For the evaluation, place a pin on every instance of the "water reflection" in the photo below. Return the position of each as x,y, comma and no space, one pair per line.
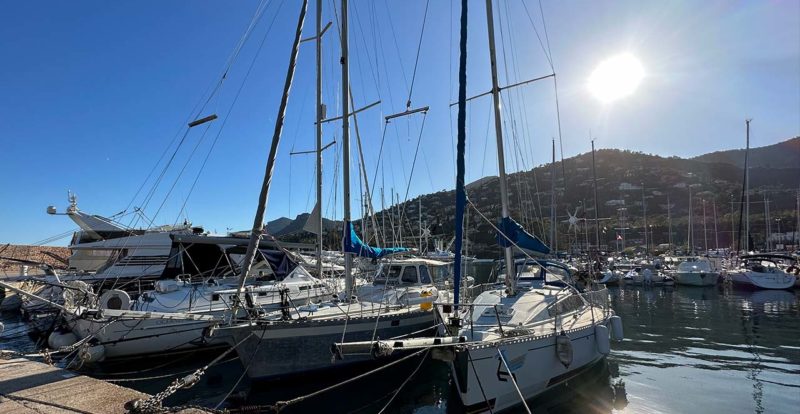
730,350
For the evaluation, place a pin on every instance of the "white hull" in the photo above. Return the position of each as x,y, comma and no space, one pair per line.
533,362
762,280
143,333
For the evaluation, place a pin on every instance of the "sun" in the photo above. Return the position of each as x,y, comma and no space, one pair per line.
616,77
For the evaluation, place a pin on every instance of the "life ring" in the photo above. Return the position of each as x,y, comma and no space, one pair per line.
115,299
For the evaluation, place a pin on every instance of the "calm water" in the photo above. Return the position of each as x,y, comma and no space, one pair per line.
687,350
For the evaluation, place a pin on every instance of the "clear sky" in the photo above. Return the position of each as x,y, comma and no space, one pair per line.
92,93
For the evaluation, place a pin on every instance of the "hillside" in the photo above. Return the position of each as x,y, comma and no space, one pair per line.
785,154
624,178
275,226
285,226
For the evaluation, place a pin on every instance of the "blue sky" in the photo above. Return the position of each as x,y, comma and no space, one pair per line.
92,92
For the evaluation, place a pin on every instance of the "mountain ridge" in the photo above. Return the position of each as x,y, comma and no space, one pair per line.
624,179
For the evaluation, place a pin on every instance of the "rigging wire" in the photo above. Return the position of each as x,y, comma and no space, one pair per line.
195,112
416,61
227,114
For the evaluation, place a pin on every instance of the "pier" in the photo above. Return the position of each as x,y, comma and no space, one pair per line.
33,387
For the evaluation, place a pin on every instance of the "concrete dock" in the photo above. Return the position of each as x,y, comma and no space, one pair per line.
28,387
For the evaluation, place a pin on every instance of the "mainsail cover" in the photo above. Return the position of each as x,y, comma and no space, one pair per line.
280,263
515,235
353,244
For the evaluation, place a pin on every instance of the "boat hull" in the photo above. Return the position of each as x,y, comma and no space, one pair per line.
696,278
762,280
535,365
136,337
273,350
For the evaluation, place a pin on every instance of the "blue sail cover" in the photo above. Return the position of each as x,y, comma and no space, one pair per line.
353,244
280,262
516,235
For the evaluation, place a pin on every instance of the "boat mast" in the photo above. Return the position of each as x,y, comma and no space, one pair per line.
689,246
258,221
705,230
553,236
320,115
419,219
797,216
747,191
716,233
644,214
767,229
460,149
669,222
596,221
501,165
348,259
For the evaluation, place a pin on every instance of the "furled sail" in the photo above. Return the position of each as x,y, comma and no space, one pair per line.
515,235
353,244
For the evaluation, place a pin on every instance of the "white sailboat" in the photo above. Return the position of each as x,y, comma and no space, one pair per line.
281,344
761,271
513,343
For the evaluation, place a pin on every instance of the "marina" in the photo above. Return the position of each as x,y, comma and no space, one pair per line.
739,346
420,274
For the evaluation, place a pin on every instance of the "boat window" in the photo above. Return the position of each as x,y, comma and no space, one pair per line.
558,272
527,268
424,276
388,274
410,274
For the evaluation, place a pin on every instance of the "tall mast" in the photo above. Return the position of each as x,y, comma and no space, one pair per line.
319,137
669,222
747,191
644,214
553,232
767,229
501,164
348,259
419,219
460,149
797,216
689,244
716,233
733,224
258,221
596,221
705,230
383,219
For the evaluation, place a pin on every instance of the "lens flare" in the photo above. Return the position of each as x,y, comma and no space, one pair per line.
616,77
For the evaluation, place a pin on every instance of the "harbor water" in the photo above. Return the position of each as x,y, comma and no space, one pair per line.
686,350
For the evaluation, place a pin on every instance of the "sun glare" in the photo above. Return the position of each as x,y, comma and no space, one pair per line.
616,77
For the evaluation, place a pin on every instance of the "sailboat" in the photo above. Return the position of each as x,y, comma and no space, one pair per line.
539,331
298,340
756,271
